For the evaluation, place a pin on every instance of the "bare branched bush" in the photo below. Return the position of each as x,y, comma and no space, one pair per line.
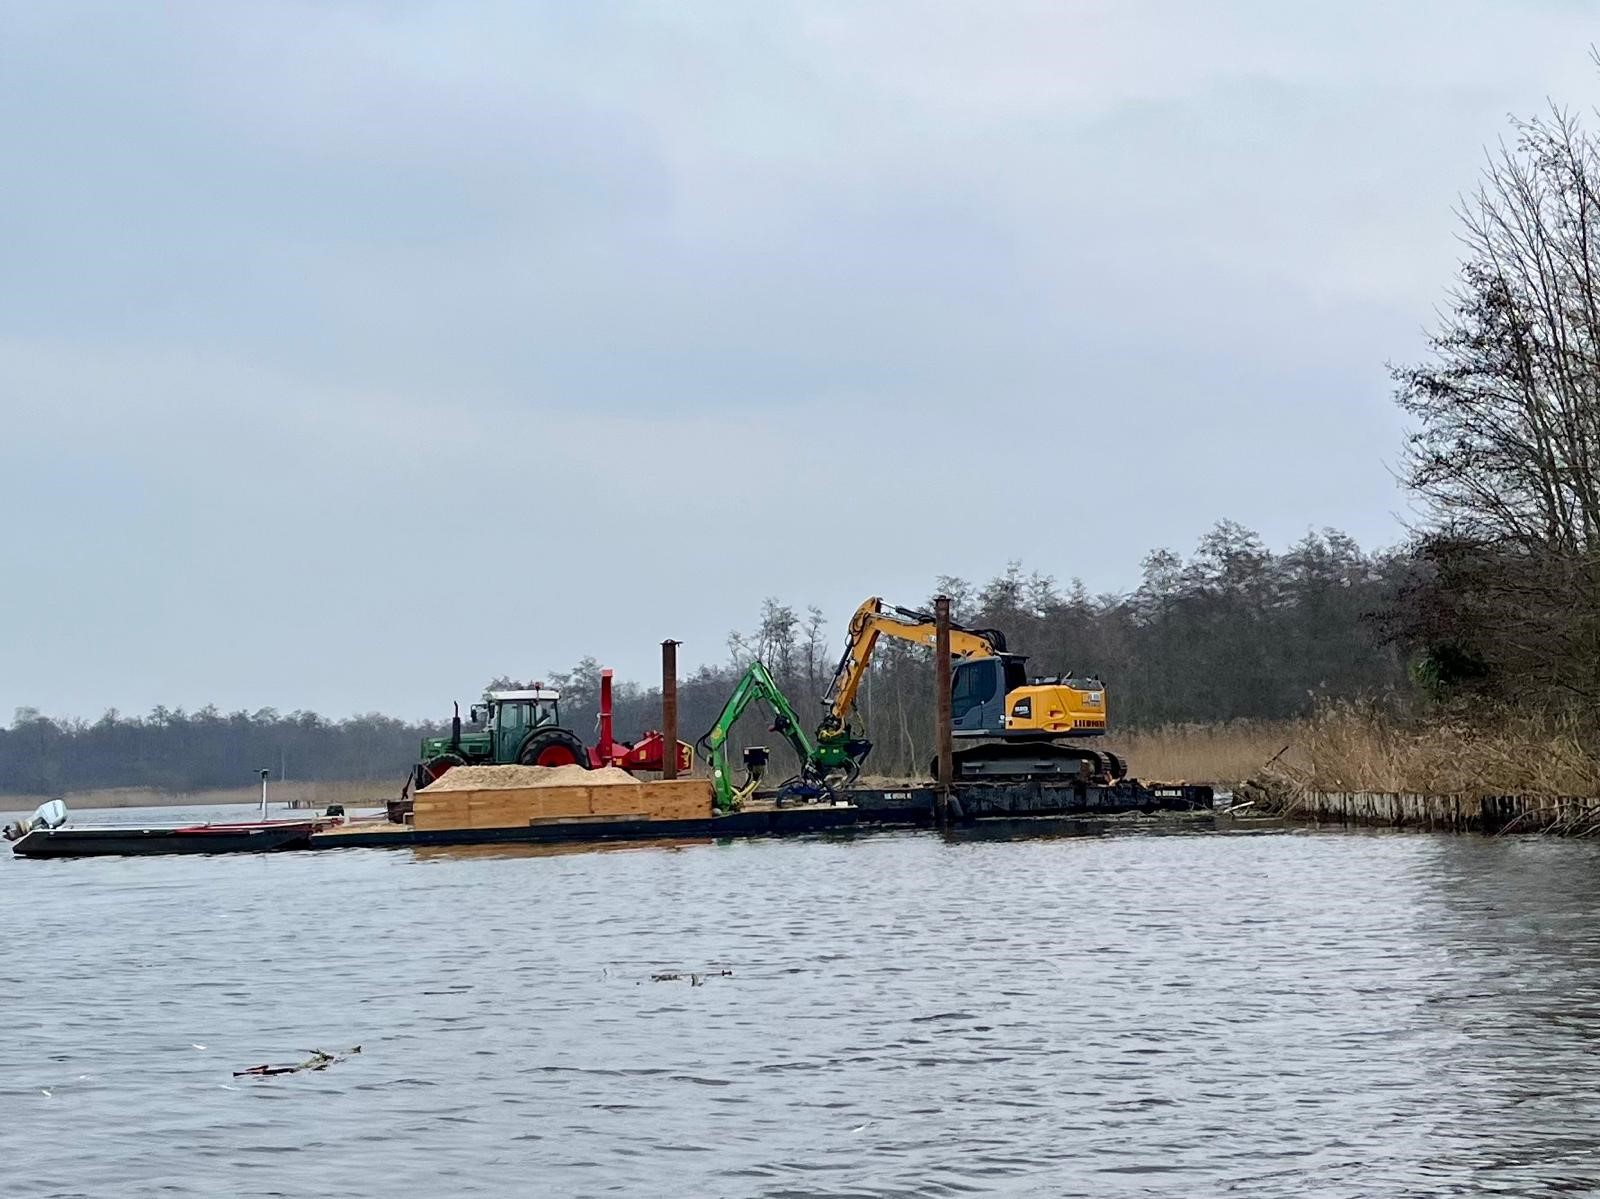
1505,449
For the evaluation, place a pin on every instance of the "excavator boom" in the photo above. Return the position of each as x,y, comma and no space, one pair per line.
756,684
872,620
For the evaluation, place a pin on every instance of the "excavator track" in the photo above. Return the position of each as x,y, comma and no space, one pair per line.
1016,761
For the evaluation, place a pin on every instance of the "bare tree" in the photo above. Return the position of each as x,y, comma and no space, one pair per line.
815,645
1506,442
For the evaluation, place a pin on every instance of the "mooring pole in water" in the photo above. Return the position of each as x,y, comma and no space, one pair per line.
264,774
669,709
941,691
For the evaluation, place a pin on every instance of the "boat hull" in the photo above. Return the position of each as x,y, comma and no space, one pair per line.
143,842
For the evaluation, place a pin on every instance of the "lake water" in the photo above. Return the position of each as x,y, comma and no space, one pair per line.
1274,1015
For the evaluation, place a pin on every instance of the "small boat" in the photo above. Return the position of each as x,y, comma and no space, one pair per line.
134,841
46,835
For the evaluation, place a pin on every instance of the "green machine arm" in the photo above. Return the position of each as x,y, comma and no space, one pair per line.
755,684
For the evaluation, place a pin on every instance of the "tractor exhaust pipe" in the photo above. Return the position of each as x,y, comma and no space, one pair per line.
455,729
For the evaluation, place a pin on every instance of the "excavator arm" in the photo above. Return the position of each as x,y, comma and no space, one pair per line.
755,684
873,620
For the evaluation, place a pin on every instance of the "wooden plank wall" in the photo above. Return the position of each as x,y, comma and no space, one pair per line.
1388,809
1474,813
517,807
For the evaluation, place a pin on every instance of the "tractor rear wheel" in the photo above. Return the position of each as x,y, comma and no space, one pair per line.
553,747
435,769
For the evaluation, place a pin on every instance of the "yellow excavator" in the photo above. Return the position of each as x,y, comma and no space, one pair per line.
1021,723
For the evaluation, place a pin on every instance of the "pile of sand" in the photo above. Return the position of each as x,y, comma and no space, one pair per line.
493,778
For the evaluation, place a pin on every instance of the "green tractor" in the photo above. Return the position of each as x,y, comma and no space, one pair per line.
511,728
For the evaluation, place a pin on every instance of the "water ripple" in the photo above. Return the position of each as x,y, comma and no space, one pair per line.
1341,1015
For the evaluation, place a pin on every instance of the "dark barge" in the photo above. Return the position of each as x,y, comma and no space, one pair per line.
112,840
1021,805
858,810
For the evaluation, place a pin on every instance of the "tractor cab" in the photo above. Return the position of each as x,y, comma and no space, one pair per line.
511,715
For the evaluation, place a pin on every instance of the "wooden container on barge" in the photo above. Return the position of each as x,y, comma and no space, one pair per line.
522,807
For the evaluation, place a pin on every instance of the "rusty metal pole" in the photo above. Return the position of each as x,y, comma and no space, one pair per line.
941,691
669,709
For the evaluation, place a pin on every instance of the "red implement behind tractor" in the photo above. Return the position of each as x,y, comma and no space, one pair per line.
644,754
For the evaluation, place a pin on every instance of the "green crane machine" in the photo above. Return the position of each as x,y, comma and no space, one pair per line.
822,768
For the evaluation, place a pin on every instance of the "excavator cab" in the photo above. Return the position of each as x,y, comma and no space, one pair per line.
978,690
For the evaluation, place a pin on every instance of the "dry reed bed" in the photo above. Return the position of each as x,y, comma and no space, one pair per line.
1204,753
1363,747
1351,747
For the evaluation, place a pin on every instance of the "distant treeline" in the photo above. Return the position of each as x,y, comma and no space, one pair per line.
1232,631
177,751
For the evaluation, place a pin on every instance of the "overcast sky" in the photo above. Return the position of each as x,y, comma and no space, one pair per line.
353,353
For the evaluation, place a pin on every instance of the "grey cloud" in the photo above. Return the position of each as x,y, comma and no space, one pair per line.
299,297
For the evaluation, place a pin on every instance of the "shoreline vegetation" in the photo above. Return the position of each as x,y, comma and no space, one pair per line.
1362,749
1343,747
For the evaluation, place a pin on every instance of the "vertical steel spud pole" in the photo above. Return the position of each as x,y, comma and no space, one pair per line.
669,709
941,691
